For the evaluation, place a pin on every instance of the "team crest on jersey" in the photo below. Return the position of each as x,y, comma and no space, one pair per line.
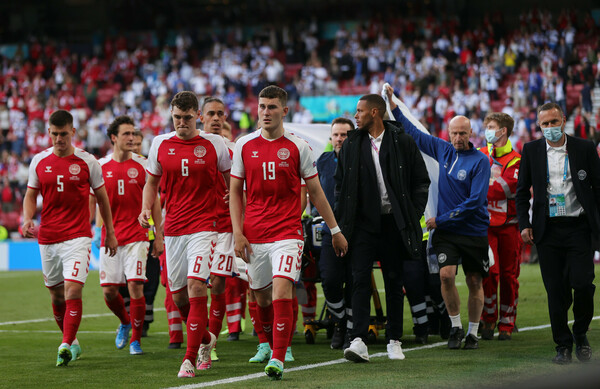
283,153
462,174
132,172
74,169
200,151
48,169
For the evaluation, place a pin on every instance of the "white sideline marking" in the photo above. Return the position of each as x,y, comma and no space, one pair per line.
6,323
329,363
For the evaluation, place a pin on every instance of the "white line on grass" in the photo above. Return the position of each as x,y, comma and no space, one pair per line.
329,363
6,323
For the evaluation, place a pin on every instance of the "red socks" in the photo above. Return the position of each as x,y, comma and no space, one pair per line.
59,314
117,306
196,327
282,326
217,312
185,311
174,318
266,320
137,309
254,316
72,319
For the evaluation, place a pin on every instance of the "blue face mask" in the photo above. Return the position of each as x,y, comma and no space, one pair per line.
490,136
553,134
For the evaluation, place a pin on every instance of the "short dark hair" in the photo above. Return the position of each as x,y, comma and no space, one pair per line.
212,100
548,107
342,121
503,120
375,101
61,118
138,133
113,128
185,101
274,92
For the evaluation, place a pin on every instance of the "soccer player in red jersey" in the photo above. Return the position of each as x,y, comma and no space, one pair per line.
271,162
124,175
189,162
63,175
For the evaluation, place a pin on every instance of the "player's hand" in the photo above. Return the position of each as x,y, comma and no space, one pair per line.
158,247
242,247
110,244
144,218
390,93
527,235
226,197
340,244
27,228
431,225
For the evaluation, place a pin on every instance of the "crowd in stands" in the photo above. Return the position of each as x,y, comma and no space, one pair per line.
437,66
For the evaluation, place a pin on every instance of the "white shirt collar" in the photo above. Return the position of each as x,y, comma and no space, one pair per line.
559,148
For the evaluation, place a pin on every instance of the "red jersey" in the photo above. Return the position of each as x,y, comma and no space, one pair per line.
189,169
223,216
64,183
273,170
124,186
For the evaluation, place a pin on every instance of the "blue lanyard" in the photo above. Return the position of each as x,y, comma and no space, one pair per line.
564,172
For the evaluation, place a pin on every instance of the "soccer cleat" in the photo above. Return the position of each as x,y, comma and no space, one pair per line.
204,361
213,355
289,357
122,335
64,355
471,342
357,352
274,369
455,338
75,352
263,351
186,370
394,350
135,348
233,337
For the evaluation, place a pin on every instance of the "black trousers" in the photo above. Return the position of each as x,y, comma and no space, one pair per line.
386,247
567,266
415,275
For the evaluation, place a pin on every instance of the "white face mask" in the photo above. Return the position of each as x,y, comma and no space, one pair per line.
490,136
553,134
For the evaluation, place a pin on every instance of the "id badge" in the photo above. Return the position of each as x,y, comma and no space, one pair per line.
556,205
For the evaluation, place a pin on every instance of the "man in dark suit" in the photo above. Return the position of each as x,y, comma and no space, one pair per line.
565,174
381,192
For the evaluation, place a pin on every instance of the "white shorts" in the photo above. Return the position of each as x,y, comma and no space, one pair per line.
242,267
189,256
224,263
277,259
66,261
129,264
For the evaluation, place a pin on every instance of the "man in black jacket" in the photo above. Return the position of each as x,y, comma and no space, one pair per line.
381,189
565,174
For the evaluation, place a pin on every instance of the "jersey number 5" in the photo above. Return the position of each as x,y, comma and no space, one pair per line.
268,170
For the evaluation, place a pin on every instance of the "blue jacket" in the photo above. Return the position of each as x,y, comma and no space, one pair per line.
463,182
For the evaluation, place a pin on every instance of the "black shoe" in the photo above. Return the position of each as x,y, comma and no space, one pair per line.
174,345
421,339
563,356
504,335
471,342
233,337
445,326
346,340
487,330
583,351
455,338
338,337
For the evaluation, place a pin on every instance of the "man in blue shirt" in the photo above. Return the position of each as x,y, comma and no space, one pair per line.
462,220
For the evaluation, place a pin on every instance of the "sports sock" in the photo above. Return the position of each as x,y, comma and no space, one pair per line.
137,309
59,314
456,321
266,320
117,306
473,327
174,318
294,319
254,317
196,326
282,322
72,320
217,312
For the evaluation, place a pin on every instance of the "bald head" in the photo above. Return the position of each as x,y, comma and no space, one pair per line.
459,131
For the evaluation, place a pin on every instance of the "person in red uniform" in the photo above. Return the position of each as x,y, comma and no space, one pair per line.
271,162
63,175
124,173
503,233
189,162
